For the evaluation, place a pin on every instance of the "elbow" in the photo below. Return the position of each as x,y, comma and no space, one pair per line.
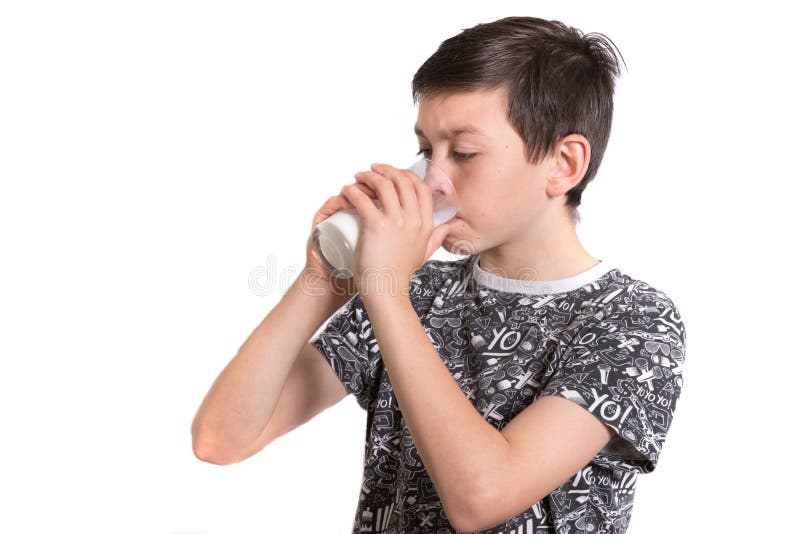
461,524
203,450
209,455
206,448
471,511
484,512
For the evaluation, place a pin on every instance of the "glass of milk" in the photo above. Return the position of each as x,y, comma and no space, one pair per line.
334,240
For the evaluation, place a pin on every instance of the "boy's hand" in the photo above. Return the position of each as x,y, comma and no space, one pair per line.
397,238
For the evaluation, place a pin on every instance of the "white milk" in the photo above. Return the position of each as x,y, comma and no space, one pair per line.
335,239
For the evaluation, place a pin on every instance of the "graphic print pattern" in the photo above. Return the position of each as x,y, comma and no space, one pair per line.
614,346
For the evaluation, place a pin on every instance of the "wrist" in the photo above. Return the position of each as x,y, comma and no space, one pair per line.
320,283
385,288
383,283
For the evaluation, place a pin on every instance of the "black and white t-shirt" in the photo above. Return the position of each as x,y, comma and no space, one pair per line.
610,343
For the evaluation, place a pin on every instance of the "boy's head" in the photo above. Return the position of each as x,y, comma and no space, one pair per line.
550,82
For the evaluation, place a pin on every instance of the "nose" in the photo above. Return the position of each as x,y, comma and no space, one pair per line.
438,177
441,162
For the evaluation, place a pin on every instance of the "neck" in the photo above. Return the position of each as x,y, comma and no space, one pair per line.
546,249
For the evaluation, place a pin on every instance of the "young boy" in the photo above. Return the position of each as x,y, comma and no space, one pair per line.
522,388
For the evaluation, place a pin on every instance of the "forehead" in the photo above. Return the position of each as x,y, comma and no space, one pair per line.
462,113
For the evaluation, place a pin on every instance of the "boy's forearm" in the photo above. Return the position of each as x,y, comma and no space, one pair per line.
458,447
242,399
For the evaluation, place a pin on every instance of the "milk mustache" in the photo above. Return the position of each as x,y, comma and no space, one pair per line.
334,240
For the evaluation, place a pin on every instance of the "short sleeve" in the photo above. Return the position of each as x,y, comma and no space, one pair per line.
626,370
420,290
349,346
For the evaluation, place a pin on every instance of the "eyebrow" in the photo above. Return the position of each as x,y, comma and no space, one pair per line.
449,134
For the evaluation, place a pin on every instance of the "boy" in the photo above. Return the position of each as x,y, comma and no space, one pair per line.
522,388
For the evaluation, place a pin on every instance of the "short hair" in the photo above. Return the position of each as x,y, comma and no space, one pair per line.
558,80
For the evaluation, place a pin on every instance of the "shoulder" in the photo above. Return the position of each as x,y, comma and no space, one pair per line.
432,277
639,306
626,366
435,272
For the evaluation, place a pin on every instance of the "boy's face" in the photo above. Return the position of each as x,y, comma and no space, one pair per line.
501,197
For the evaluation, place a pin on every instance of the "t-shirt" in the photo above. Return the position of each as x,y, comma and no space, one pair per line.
607,342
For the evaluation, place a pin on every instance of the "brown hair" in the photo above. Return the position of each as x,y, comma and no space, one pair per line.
559,82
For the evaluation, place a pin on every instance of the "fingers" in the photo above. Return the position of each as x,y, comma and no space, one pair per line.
336,203
400,182
400,193
361,200
331,206
406,193
411,189
424,198
387,193
436,239
369,192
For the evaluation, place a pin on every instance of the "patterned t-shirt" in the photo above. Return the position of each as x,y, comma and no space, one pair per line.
610,343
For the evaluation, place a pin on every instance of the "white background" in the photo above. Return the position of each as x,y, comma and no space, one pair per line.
154,154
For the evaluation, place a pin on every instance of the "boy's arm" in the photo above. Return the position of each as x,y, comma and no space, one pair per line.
240,403
482,475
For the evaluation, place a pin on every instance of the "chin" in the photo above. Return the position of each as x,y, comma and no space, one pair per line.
460,247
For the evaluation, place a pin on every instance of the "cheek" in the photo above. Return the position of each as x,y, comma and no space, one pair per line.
479,208
484,195
493,205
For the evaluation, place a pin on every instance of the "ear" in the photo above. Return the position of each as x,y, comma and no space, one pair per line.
569,164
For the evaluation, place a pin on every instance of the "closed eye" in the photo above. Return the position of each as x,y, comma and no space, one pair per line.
427,152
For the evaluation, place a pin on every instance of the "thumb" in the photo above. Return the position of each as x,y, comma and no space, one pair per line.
436,239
